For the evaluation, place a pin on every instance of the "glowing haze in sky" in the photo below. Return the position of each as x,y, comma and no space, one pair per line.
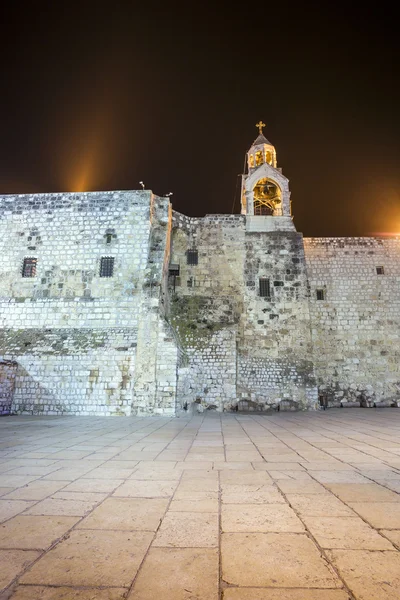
102,98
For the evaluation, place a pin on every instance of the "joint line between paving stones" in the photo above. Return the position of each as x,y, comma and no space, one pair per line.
327,454
193,439
68,532
56,542
154,537
331,492
350,507
321,550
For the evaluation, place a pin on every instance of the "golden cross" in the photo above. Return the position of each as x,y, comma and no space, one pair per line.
260,126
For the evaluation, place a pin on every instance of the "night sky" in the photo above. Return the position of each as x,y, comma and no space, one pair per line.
97,97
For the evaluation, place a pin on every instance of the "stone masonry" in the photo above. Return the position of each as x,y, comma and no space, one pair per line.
224,312
82,343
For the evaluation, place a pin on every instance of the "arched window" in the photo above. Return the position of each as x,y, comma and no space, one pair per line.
251,161
259,158
267,197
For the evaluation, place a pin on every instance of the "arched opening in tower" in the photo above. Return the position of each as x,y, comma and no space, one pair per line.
267,197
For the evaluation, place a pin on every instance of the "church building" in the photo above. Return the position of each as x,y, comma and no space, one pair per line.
112,303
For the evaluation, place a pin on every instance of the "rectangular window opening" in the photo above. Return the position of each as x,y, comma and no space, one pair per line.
29,267
106,266
265,289
320,294
192,257
380,270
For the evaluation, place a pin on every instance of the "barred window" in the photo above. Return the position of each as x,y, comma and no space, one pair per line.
29,267
106,266
265,289
321,294
380,271
192,257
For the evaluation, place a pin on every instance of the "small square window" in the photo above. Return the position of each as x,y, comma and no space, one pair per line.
29,267
380,271
192,257
106,266
109,238
174,270
265,289
320,294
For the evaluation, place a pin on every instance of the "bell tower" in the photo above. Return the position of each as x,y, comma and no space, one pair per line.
265,190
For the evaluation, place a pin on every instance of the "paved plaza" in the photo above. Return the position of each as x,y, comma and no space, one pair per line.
292,506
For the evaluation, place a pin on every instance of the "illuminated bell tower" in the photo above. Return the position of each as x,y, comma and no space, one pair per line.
265,191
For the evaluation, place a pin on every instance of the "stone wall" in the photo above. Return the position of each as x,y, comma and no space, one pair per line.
7,384
211,378
73,333
356,328
72,341
157,350
274,347
206,306
241,345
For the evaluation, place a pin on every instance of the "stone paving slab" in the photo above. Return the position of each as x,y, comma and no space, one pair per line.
92,558
283,594
33,592
295,506
369,575
260,517
127,514
178,574
274,560
364,492
188,530
14,562
317,505
345,532
34,532
381,515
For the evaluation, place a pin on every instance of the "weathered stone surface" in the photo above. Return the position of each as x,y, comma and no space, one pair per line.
316,505
188,530
10,508
369,575
251,494
59,506
283,594
146,489
114,304
92,558
290,486
81,343
14,562
37,490
33,592
127,514
382,515
34,532
368,492
182,573
244,477
256,517
274,560
393,535
345,532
